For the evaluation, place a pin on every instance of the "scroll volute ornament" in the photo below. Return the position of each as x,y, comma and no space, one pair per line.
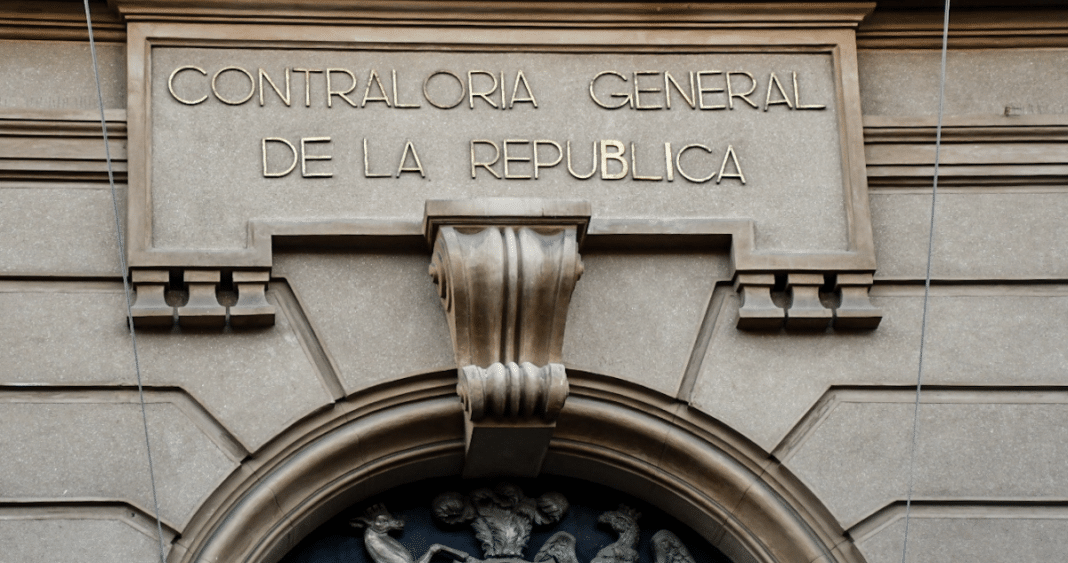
505,270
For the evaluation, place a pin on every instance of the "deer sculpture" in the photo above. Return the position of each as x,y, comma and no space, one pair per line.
383,548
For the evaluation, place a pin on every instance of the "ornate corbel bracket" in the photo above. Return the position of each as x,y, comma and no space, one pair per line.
505,270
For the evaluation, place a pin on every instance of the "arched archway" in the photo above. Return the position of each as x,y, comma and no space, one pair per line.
639,442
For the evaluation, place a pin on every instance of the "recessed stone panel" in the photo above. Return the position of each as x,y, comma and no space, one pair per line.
977,235
904,83
75,539
989,534
58,450
652,302
972,449
377,315
255,382
59,231
58,75
763,384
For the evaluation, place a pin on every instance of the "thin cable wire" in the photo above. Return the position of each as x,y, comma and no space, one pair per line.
125,282
926,285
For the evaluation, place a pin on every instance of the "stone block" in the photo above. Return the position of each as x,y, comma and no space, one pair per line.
968,222
978,81
59,540
979,533
58,75
976,446
96,450
636,316
377,315
762,384
256,383
58,229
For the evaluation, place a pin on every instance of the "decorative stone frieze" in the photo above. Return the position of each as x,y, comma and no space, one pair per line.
801,308
202,309
505,270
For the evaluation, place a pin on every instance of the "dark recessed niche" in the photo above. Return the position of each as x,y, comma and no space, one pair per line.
337,542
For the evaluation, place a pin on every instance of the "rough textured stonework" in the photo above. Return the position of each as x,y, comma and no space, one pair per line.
739,351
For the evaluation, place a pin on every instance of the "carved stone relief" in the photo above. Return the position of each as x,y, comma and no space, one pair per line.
502,519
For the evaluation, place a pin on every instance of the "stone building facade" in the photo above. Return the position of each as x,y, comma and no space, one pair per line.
722,318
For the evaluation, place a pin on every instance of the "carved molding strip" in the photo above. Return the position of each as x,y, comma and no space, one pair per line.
505,270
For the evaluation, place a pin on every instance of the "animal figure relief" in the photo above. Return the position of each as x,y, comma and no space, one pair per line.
383,548
667,547
502,519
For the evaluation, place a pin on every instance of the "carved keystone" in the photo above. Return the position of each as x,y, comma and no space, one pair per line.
150,309
203,309
252,308
505,270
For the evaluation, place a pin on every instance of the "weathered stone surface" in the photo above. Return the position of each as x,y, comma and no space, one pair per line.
975,451
762,384
59,230
59,75
636,316
978,81
377,315
74,539
1011,249
255,382
97,450
1006,538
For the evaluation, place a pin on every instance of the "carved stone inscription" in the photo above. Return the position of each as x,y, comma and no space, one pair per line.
320,135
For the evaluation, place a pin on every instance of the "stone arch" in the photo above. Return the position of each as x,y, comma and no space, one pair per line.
640,442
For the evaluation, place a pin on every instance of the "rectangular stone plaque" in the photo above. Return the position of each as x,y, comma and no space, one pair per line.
746,133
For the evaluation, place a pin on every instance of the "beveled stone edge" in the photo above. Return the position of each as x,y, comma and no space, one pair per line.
123,511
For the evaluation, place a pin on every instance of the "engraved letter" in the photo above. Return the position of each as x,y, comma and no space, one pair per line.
285,99
330,92
690,100
367,165
668,164
731,94
426,91
170,85
396,103
485,95
616,156
292,165
307,83
701,90
593,160
496,156
638,91
529,98
251,84
372,79
409,148
626,97
508,158
774,81
634,167
538,163
678,164
305,157
733,158
797,99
